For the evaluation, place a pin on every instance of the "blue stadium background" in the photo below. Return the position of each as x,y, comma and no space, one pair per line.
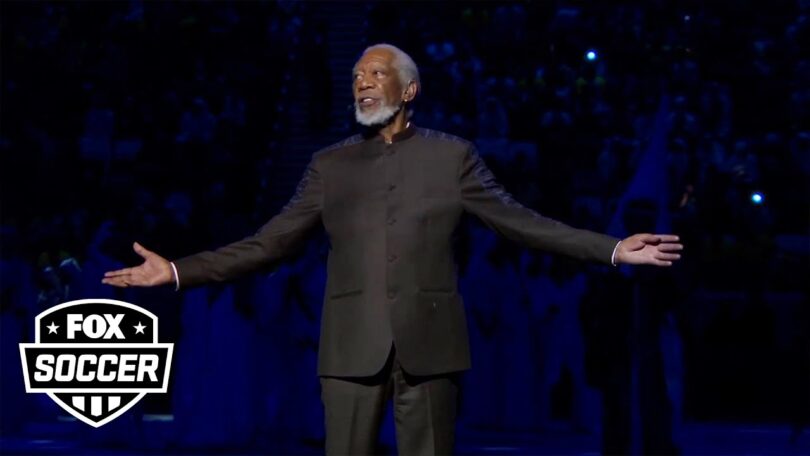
186,125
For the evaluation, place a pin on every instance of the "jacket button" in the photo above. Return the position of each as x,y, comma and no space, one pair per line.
391,221
391,258
391,187
391,295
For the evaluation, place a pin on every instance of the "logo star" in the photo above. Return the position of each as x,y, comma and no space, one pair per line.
52,328
139,328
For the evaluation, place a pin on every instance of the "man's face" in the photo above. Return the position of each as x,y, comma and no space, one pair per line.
377,88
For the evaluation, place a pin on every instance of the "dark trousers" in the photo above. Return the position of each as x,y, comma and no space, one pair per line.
424,411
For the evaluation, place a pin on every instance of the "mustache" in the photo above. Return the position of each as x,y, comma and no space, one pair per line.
352,105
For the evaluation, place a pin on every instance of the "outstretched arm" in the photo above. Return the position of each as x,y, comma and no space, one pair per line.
275,240
484,197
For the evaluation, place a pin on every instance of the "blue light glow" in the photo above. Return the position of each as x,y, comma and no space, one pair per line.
757,198
591,55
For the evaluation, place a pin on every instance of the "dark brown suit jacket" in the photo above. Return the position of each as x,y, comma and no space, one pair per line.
389,211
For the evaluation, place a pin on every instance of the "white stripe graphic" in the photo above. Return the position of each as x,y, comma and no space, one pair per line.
113,402
95,405
78,402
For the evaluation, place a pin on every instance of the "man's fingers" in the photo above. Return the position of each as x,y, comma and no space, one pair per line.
669,247
116,282
646,238
140,250
124,281
118,273
668,256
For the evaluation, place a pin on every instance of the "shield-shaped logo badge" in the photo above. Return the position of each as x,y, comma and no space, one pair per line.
96,358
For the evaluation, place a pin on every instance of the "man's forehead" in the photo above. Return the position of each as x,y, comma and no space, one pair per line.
385,56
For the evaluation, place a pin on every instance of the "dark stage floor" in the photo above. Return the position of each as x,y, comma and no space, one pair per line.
695,438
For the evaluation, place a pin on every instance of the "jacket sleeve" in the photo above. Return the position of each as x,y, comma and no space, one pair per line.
276,239
483,196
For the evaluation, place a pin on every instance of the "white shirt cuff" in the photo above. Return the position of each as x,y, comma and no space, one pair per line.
612,257
176,277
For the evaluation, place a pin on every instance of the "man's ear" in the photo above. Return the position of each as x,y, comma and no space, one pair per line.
410,91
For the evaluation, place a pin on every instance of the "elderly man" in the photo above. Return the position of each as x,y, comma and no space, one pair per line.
393,322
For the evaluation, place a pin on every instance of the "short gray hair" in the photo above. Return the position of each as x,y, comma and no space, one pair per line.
404,64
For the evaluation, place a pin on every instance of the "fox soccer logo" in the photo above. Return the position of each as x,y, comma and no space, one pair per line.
96,358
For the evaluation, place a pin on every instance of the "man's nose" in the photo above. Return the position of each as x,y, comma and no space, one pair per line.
364,83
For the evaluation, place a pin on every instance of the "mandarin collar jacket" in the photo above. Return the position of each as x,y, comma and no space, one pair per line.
390,211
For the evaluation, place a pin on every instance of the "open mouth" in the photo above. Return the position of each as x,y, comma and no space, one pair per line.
366,102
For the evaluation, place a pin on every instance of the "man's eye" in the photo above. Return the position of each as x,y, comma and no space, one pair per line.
378,73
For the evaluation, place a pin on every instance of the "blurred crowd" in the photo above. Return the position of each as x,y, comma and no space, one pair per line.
166,123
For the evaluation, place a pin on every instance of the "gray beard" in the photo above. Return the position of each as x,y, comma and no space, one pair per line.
376,118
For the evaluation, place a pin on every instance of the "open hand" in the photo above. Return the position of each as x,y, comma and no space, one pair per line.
154,271
645,248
